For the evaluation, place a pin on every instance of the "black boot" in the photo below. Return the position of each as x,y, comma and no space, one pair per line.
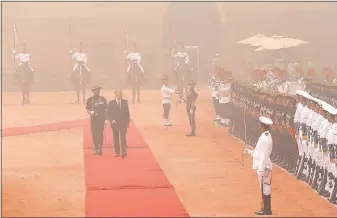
267,206
321,190
333,196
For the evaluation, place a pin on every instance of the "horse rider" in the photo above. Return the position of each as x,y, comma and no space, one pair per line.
24,58
134,58
96,107
81,59
182,60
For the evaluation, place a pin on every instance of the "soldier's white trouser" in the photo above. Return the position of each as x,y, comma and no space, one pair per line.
31,68
76,65
139,65
299,145
264,179
305,147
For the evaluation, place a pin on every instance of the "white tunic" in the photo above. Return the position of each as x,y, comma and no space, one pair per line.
182,55
298,113
80,57
225,89
262,152
331,135
324,128
166,94
23,57
134,57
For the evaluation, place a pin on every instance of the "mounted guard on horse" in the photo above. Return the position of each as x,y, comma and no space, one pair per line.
24,73
80,75
135,72
181,68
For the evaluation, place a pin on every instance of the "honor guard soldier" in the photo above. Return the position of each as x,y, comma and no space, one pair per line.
263,165
332,141
225,90
96,108
24,58
190,107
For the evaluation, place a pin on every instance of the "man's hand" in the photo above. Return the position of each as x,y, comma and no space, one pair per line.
14,51
70,51
92,112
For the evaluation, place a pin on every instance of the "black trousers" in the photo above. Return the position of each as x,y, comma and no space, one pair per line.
97,129
225,110
191,118
216,106
119,135
167,108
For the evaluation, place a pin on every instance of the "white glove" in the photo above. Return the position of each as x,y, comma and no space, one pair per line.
14,51
248,151
125,51
106,121
92,112
70,51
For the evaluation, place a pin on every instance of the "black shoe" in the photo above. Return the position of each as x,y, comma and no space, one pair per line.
261,212
124,155
325,194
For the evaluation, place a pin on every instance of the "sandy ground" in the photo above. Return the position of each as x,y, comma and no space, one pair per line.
43,174
205,170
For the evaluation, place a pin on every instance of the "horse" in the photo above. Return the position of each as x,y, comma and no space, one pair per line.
80,79
24,77
136,77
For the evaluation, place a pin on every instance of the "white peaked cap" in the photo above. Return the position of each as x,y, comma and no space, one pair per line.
266,121
328,108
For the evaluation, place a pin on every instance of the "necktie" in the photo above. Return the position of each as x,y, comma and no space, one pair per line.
119,104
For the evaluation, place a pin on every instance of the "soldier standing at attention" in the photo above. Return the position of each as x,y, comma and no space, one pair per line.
262,164
190,107
166,93
96,108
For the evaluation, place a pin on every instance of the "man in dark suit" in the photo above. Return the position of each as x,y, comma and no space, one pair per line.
119,116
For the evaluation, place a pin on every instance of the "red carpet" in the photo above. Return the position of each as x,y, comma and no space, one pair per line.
130,187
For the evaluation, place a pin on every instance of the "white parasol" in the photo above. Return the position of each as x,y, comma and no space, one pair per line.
280,42
252,39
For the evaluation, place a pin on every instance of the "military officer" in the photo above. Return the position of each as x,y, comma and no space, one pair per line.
263,165
96,108
190,107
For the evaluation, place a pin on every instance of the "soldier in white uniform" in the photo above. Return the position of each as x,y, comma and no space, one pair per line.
166,94
214,85
328,179
299,108
303,140
24,58
224,101
332,141
81,59
263,165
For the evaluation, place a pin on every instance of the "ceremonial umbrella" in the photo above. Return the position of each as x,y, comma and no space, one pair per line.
253,39
279,42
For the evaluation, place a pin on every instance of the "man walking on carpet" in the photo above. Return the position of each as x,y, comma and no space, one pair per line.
119,116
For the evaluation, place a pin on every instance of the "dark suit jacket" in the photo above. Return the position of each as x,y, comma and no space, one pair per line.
120,115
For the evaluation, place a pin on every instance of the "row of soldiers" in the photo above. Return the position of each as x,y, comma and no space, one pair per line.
304,133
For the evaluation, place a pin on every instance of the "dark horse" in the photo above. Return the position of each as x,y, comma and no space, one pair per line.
24,76
136,77
80,79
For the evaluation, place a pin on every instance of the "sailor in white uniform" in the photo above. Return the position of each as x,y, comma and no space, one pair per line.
166,94
303,140
332,141
263,165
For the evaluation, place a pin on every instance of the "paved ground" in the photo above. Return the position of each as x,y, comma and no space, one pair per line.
205,170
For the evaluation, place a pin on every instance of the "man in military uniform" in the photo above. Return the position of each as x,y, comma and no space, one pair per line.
96,108
263,165
190,107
